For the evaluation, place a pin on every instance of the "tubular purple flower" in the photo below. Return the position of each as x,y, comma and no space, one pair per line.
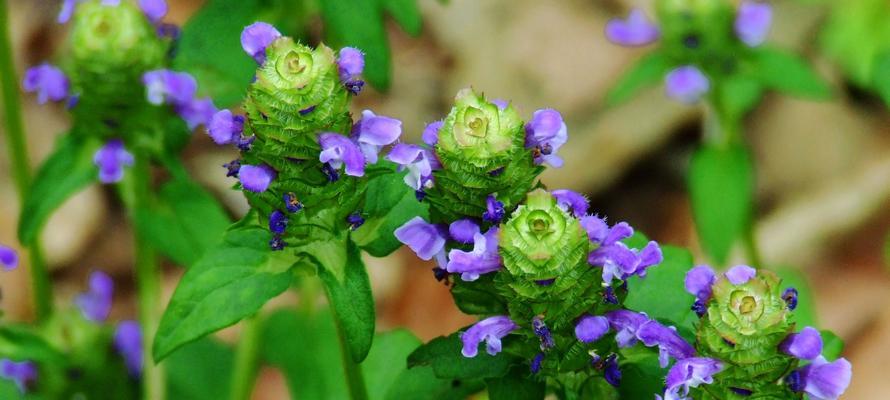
197,112
372,132
95,304
420,163
494,212
634,31
430,134
483,259
463,230
23,373
571,201
9,258
612,372
699,280
753,21
128,343
740,274
154,10
805,345
669,343
111,160
689,373
597,229
256,37
620,262
225,128
490,330
626,323
546,133
351,63
824,380
166,86
48,81
686,84
591,328
338,150
427,240
256,178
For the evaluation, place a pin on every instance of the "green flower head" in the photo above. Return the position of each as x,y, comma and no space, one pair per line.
115,37
479,132
753,307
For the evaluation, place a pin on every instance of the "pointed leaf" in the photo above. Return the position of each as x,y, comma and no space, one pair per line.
517,385
406,13
195,371
444,355
352,302
648,71
789,73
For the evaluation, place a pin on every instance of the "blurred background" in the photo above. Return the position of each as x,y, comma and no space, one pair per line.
823,168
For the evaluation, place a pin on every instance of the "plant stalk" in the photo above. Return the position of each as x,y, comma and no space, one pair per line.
247,358
355,382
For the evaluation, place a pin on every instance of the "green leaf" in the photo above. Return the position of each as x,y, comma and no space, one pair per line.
421,383
231,282
477,297
661,292
721,186
805,313
352,303
67,171
198,371
832,345
444,355
184,222
786,72
641,375
406,13
737,95
389,203
21,342
646,72
359,23
387,360
519,384
881,76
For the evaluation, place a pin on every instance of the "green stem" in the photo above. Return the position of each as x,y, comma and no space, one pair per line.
355,382
21,171
246,359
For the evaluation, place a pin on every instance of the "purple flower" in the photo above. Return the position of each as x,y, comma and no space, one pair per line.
256,37
805,345
338,150
196,112
256,178
669,343
427,240
291,203
23,373
67,10
48,81
277,222
545,134
489,330
225,128
111,160
686,84
543,333
166,86
636,30
420,163
128,342
355,220
626,323
591,328
154,10
699,280
571,201
790,297
501,103
494,212
752,22
740,274
484,257
430,134
9,259
535,365
373,132
824,380
463,230
687,373
95,304
350,64
612,372
621,262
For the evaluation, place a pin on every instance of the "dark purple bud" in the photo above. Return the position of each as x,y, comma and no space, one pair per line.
355,220
330,172
292,203
609,296
790,297
440,274
354,86
244,142
419,195
612,371
232,168
495,210
794,381
543,333
700,307
277,243
535,365
278,222
307,110
545,282
741,392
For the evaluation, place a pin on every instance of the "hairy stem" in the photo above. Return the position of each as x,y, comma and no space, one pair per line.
353,371
246,358
18,155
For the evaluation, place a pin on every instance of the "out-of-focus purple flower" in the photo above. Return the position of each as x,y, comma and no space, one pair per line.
543,333
626,323
636,30
501,103
805,345
225,128
67,10
753,21
494,212
95,304
535,365
372,132
256,178
740,274
430,134
612,372
196,112
154,10
128,342
23,373
111,160
483,259
463,230
277,222
790,297
669,342
686,84
545,134
427,240
591,328
338,150
490,330
689,373
571,201
621,262
419,161
9,258
351,63
48,81
824,380
256,37
166,86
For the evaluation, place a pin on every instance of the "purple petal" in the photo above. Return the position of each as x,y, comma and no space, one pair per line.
805,345
424,238
128,342
338,150
596,228
546,133
699,280
48,81
9,258
636,30
686,84
667,339
67,10
463,230
753,21
23,373
649,256
419,161
591,328
483,259
430,134
225,128
166,86
373,132
111,160
197,112
619,231
825,380
256,178
740,274
154,10
626,323
256,37
95,304
501,103
571,201
490,330
351,63
690,372
494,211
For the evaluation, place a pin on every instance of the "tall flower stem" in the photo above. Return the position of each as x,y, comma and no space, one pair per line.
18,155
246,358
355,382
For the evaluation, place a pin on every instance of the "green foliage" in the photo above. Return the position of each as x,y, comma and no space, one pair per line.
661,293
646,72
832,345
231,282
881,78
855,34
788,73
516,385
406,13
737,95
389,203
68,170
195,371
721,185
421,383
352,303
641,375
443,354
